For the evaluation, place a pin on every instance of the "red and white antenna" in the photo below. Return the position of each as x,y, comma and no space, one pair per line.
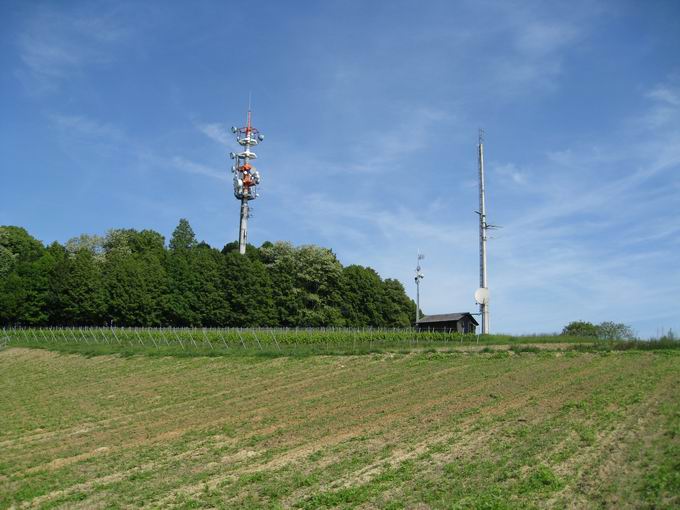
246,176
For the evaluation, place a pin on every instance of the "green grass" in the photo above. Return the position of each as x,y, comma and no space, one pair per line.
515,429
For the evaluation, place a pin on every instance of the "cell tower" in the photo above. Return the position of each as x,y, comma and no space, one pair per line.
482,294
419,276
246,176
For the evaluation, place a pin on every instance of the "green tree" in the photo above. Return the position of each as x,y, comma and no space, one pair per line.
211,300
134,277
279,259
580,329
79,297
307,284
614,331
92,243
251,251
248,291
6,262
23,246
184,285
363,298
24,288
398,309
183,237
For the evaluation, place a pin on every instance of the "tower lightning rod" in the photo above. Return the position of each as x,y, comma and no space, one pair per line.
246,176
483,229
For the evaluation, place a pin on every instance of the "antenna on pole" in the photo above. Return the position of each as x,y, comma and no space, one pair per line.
482,294
419,276
246,176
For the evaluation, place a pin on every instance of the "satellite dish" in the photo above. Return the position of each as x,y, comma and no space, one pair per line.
482,296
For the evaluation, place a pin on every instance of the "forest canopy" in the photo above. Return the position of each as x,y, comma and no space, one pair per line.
132,278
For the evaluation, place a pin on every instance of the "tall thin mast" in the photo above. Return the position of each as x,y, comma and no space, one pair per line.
419,276
483,228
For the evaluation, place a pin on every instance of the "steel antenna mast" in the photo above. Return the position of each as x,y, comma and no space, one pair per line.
246,176
482,294
419,276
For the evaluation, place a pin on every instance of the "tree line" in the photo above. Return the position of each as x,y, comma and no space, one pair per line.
131,278
607,330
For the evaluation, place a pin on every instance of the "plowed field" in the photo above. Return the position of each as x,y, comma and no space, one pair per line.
428,430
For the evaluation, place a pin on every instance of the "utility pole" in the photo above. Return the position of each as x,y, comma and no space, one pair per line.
482,295
246,176
419,276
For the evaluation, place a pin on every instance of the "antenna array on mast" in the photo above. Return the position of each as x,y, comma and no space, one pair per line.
246,176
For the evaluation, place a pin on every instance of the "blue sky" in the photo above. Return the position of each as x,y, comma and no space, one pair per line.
116,114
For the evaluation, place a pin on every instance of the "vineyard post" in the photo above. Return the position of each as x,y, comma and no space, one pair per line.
178,338
207,339
150,335
75,340
239,335
220,331
114,334
271,332
80,330
257,339
191,335
162,332
139,337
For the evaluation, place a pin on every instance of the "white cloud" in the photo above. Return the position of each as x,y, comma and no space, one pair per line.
199,169
543,39
665,108
54,46
80,132
509,173
82,125
665,94
217,132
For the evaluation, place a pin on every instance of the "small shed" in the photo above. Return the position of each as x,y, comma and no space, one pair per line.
456,322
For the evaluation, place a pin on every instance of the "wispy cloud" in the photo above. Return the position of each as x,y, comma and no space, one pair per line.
86,126
666,94
198,169
217,132
82,131
665,106
378,150
510,173
54,46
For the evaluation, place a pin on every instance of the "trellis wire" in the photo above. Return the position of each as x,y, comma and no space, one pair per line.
215,340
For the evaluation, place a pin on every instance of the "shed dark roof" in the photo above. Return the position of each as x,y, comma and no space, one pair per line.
446,317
